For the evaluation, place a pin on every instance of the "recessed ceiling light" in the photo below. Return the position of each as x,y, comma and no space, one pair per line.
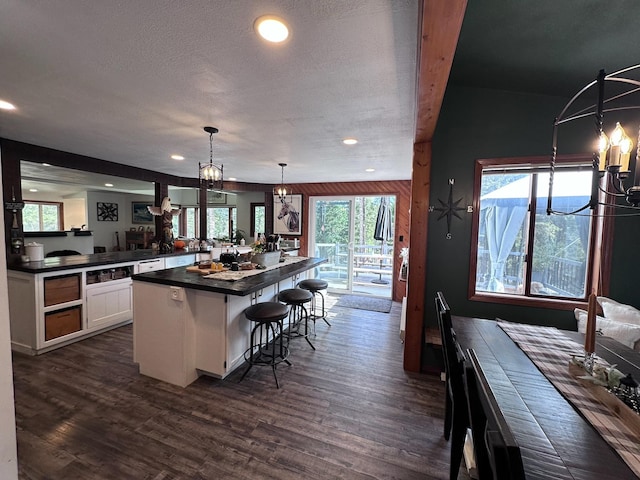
46,165
177,157
6,105
108,184
370,170
33,189
271,28
232,179
350,141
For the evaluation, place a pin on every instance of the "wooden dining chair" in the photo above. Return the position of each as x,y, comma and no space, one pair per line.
456,419
496,450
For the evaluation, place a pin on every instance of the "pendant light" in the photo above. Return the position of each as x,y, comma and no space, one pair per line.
281,191
210,174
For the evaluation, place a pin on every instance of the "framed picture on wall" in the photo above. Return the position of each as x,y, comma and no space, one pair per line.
140,213
287,215
107,212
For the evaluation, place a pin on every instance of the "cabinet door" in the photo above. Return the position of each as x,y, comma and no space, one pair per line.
109,303
210,312
238,330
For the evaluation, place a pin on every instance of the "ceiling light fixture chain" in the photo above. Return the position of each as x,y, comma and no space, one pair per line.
210,174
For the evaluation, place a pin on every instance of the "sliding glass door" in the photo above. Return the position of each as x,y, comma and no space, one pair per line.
332,238
355,235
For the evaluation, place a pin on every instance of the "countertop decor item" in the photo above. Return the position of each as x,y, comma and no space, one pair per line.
266,259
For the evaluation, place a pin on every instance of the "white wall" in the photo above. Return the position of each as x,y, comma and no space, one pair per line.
104,232
75,211
8,450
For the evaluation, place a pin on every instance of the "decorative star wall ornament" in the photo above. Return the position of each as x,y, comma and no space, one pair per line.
450,209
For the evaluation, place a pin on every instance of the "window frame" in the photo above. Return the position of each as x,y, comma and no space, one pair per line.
40,203
601,237
253,207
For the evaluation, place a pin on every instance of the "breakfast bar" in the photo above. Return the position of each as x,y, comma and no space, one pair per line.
187,324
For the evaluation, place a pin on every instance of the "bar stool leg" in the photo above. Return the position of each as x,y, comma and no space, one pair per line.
306,325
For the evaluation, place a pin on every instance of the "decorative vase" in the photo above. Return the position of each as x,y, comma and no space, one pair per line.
266,259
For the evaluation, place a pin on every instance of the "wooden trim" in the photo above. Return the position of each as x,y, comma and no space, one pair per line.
416,281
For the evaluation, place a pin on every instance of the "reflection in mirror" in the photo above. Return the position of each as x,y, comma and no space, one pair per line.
77,197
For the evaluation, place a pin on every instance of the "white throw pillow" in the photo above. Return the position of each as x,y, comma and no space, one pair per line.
619,312
626,333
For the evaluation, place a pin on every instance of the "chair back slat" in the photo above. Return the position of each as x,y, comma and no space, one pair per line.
453,361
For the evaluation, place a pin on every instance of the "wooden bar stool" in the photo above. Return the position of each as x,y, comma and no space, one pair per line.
315,285
268,348
296,298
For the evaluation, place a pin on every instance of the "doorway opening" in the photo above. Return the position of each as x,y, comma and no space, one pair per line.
355,235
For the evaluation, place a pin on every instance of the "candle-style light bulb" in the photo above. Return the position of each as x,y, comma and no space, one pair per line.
625,150
603,146
616,137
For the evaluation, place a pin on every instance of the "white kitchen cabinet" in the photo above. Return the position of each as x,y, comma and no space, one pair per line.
109,303
46,312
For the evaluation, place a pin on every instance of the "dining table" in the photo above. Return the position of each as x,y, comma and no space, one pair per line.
556,440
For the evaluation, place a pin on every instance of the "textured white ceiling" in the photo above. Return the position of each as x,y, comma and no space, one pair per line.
136,81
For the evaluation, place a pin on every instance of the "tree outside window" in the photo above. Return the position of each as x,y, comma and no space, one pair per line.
42,216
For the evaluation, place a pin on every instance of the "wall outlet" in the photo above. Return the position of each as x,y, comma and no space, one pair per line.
177,293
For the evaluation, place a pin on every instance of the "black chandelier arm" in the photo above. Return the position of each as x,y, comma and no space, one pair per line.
616,183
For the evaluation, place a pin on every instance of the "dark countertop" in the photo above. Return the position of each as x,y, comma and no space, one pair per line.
79,261
180,277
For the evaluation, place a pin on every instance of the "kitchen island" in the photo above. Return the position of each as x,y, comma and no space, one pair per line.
188,324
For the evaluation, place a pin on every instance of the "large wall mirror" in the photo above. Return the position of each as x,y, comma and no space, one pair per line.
59,199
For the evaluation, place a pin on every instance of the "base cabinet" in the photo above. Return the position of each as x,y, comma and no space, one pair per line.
182,333
51,309
108,303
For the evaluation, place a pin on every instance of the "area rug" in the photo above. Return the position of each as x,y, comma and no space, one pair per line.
365,303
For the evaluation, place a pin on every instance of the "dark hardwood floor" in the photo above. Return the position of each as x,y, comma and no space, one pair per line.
347,410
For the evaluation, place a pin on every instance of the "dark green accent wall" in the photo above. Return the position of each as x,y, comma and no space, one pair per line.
475,124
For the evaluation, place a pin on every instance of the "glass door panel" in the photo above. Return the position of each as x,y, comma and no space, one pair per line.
331,237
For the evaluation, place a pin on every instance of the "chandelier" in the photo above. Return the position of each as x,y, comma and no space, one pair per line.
210,174
613,187
610,165
281,191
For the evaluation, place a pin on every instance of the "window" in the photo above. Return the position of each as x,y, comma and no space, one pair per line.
189,224
42,216
518,251
220,222
258,219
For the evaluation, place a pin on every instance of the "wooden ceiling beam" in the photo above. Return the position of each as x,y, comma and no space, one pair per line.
441,24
